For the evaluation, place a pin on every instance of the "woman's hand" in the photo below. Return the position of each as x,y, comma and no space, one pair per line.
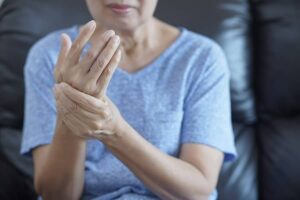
86,116
91,73
84,107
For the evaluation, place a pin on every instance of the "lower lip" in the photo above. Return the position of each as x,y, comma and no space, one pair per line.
120,10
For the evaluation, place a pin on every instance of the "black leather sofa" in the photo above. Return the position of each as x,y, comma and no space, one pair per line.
261,39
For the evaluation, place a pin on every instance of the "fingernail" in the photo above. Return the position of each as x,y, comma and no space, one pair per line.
63,85
109,33
91,24
119,52
116,39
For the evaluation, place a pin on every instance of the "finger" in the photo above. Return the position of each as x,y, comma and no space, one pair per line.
104,58
65,104
69,113
90,57
71,107
84,120
105,77
81,111
60,108
84,36
76,126
64,50
86,116
90,103
65,47
55,91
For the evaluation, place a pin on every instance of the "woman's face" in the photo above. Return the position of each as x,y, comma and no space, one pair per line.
121,14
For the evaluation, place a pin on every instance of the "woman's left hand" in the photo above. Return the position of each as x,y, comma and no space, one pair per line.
88,115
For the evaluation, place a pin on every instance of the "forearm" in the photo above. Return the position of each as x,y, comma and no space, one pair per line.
62,174
167,176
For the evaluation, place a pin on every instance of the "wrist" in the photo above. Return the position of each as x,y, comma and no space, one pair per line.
63,130
124,135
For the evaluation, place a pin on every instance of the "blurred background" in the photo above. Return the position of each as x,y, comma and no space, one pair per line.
261,39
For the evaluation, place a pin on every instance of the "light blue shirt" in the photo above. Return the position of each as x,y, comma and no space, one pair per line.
180,97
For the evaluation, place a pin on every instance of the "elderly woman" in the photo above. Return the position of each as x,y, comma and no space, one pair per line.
127,107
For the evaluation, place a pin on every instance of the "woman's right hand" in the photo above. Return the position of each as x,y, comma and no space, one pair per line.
84,73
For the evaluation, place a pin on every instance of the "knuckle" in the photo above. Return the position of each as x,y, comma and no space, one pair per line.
101,62
110,52
108,71
89,88
73,83
103,101
94,93
86,89
75,47
114,59
73,108
91,55
106,114
96,125
106,74
107,53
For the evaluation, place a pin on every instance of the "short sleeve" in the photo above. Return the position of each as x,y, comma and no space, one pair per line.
207,111
40,111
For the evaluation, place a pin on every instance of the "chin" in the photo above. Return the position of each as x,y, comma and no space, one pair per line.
122,25
121,21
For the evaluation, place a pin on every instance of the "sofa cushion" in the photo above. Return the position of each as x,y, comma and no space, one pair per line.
229,23
21,24
277,61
